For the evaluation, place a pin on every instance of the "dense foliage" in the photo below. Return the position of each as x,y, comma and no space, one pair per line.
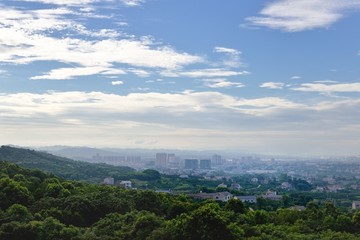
35,205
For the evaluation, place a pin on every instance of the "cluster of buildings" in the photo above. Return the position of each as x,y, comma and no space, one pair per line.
163,162
169,160
226,196
119,183
130,161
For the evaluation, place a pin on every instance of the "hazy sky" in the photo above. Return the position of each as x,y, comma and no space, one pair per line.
275,76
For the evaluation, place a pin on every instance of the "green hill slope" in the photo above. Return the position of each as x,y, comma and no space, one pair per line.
62,167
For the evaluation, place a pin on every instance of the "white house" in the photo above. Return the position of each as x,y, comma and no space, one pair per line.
126,184
109,181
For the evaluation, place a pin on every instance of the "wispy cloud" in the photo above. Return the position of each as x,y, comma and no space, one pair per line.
232,58
116,83
295,77
70,73
204,73
221,83
300,15
133,3
129,3
329,88
325,81
273,85
65,2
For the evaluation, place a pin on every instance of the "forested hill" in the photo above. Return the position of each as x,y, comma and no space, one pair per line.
61,167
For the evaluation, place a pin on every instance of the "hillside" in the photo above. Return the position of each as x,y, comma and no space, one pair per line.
60,166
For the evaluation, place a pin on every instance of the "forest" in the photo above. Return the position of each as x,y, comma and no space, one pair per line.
37,205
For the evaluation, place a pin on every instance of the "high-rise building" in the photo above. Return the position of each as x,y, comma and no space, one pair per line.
205,164
161,160
133,159
173,161
217,160
191,164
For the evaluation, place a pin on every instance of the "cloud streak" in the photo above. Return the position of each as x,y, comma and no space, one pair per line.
301,15
205,73
128,3
273,85
232,58
329,88
221,83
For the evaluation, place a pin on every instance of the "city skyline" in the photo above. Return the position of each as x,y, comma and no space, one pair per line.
276,77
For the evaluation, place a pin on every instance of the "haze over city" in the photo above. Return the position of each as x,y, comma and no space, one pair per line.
268,77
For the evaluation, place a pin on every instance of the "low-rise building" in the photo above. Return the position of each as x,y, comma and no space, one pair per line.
109,181
235,186
219,196
298,208
247,199
271,195
286,185
126,184
355,205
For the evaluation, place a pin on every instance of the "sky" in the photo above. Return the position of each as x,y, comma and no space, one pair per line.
268,77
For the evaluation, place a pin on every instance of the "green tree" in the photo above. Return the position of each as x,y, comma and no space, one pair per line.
235,205
205,223
18,212
12,192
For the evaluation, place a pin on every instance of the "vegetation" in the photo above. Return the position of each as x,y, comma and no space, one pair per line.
62,167
36,205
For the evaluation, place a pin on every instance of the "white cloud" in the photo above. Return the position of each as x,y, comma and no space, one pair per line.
204,73
227,50
182,120
58,103
325,81
129,3
328,88
273,85
68,2
233,56
300,15
139,72
154,81
295,77
221,83
116,83
26,49
133,3
70,73
29,36
122,24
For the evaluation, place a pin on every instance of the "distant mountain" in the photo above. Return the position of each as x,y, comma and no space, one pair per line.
80,152
86,153
60,166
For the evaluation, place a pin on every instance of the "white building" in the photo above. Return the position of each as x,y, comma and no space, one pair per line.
126,184
355,205
109,181
247,199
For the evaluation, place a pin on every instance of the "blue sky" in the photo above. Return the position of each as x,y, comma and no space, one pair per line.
273,77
